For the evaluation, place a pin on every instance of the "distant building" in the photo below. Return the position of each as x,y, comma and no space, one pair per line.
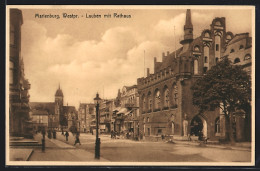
165,96
59,116
85,113
19,120
126,113
106,112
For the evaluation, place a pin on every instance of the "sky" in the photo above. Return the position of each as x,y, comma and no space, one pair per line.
90,55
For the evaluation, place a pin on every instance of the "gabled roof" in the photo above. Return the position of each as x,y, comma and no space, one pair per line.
47,106
238,37
69,109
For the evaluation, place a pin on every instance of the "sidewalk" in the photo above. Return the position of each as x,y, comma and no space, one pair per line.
243,146
59,151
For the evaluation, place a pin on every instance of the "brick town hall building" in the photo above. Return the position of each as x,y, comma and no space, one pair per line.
166,97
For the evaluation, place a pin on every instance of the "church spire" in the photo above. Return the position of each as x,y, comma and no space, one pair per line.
188,24
188,28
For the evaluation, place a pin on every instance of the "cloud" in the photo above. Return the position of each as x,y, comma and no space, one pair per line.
109,62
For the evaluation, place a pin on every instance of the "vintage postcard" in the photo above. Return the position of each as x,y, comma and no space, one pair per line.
130,85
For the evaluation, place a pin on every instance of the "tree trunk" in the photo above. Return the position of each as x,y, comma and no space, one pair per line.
231,135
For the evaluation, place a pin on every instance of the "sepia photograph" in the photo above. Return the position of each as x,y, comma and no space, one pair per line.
123,85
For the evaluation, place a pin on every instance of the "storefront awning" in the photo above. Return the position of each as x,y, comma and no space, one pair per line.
117,109
122,110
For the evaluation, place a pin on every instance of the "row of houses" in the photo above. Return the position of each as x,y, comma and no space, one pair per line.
161,102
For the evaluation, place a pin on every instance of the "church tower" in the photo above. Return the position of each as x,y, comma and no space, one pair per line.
188,31
59,104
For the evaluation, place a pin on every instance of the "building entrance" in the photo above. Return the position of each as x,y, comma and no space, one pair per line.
198,126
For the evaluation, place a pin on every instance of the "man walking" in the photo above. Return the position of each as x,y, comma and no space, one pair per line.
66,135
77,139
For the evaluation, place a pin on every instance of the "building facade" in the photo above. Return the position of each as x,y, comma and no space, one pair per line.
126,112
19,119
85,112
166,96
59,116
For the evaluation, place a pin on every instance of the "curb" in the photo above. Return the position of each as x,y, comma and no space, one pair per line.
28,158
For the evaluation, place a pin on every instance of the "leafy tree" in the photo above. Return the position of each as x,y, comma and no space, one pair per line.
224,86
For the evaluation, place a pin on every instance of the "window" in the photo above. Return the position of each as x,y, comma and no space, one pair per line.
228,37
195,66
247,57
197,48
241,47
144,103
159,131
166,97
12,35
205,59
207,34
232,50
11,72
237,60
205,69
157,99
148,119
150,101
217,125
175,96
217,47
218,23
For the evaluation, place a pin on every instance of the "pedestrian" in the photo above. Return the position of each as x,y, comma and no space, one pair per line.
54,134
112,132
62,133
77,139
49,134
43,133
66,135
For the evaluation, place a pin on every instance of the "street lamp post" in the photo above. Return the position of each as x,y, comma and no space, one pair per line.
97,147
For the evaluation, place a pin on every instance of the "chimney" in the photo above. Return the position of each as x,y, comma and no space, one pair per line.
148,72
163,55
